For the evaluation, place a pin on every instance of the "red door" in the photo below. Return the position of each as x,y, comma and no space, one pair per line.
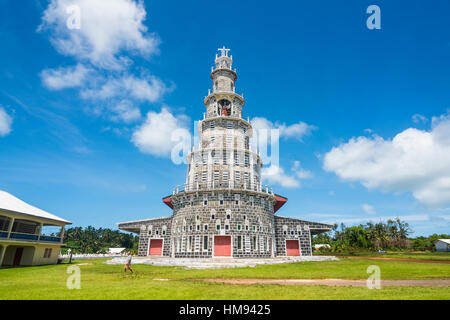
18,256
155,247
222,246
292,248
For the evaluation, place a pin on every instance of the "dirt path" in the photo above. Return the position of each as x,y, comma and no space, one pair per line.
335,282
396,259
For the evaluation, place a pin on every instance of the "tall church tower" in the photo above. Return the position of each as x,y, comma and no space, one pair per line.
224,157
223,210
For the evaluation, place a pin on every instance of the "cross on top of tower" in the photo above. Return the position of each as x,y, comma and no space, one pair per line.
224,52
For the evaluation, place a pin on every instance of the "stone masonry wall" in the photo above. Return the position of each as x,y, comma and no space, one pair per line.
246,217
158,228
296,229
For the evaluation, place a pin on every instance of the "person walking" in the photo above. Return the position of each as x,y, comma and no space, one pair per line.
128,264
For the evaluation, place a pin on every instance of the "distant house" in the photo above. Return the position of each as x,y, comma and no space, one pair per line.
28,236
319,246
442,245
117,251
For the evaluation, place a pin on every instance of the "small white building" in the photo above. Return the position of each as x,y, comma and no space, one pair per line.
442,245
28,236
117,251
319,246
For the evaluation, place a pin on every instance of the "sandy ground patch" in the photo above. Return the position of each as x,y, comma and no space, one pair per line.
398,259
336,282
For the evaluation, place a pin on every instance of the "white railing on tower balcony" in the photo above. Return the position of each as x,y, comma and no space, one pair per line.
216,185
224,66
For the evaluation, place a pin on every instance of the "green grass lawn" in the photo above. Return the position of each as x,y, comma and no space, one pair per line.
101,281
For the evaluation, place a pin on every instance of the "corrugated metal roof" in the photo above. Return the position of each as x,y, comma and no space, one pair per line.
10,203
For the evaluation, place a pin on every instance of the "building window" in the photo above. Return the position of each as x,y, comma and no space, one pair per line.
205,227
198,227
218,227
205,202
246,227
239,242
190,243
244,217
228,216
190,227
157,232
164,232
239,227
216,176
205,243
254,244
229,140
254,228
224,156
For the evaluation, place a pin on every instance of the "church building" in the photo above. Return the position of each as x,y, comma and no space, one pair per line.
223,209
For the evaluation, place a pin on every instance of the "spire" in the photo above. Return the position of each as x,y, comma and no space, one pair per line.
224,61
224,51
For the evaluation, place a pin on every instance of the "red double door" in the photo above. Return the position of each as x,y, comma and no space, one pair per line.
222,246
292,248
155,248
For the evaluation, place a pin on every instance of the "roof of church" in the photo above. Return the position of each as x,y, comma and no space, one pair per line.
10,203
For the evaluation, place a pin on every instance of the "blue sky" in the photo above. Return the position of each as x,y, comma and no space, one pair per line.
76,106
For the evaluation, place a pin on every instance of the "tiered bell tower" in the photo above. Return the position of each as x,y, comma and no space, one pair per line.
223,100
224,149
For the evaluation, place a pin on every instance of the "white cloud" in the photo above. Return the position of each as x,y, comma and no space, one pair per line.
110,34
64,77
296,130
125,111
156,135
5,122
419,118
148,89
276,175
414,161
107,28
368,208
300,172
